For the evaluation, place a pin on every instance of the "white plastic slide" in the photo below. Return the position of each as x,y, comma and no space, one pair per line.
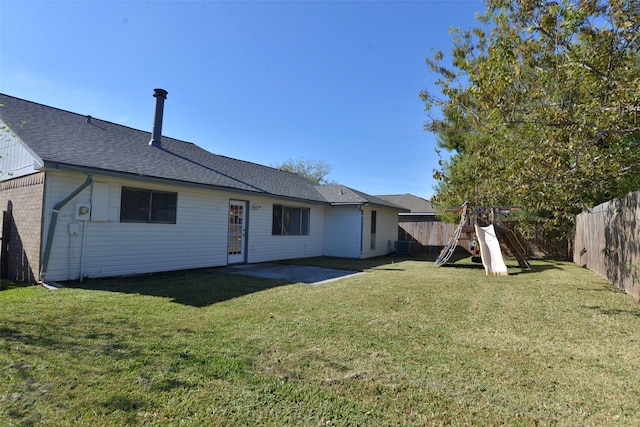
490,251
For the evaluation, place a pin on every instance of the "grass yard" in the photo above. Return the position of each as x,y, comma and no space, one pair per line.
406,344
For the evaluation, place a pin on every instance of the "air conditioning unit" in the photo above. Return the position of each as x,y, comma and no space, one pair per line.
83,211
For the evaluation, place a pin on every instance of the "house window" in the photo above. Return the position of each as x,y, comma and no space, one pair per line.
289,221
374,218
148,206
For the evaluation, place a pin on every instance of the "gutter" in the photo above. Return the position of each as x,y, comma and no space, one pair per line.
170,181
52,228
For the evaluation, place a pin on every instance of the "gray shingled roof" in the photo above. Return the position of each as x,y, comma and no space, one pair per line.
341,195
62,139
414,203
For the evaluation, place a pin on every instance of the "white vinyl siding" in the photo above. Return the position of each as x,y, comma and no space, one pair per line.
386,231
343,227
17,159
197,240
262,246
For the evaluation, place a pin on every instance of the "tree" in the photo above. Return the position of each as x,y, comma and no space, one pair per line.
540,107
314,170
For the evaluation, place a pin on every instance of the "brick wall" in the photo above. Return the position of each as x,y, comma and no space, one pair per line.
22,199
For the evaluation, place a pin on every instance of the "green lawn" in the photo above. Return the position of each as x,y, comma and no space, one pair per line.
405,344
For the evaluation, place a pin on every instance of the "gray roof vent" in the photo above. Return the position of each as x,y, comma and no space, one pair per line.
156,134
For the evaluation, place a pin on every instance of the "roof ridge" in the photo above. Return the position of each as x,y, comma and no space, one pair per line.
144,131
61,137
84,116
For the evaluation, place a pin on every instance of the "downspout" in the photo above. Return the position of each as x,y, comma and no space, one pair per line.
84,244
361,229
52,226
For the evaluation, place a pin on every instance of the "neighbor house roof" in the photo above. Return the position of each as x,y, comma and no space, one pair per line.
66,140
341,195
415,204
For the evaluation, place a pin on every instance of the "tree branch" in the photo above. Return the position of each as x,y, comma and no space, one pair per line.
567,47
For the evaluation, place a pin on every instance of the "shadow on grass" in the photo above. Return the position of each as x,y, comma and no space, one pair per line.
360,265
539,267
459,259
48,336
204,287
612,311
464,266
11,334
464,261
535,269
5,284
197,288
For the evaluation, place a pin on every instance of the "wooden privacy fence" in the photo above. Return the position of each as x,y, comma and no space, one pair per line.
427,234
607,241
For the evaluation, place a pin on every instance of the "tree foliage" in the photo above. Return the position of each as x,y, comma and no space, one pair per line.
540,107
314,170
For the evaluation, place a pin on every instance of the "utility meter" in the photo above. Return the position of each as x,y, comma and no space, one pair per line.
83,211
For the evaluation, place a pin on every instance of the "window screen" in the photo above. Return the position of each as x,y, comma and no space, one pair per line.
148,206
290,221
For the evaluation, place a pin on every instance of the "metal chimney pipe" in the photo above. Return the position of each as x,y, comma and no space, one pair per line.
156,134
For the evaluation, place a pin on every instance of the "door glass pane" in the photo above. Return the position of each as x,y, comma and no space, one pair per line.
235,229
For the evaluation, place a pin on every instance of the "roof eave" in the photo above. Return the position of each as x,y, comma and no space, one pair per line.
348,203
418,213
149,178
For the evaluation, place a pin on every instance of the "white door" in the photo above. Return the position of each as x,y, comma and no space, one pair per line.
237,225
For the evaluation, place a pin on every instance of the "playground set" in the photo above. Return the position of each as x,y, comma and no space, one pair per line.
487,224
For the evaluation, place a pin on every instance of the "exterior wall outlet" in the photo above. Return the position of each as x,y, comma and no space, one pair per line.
74,228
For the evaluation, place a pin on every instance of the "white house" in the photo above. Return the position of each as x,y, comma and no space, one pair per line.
83,197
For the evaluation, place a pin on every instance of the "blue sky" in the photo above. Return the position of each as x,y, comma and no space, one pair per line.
262,81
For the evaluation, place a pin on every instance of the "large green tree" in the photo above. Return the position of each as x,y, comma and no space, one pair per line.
540,106
314,170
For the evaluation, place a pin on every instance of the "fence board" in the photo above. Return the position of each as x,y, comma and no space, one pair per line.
428,236
607,241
